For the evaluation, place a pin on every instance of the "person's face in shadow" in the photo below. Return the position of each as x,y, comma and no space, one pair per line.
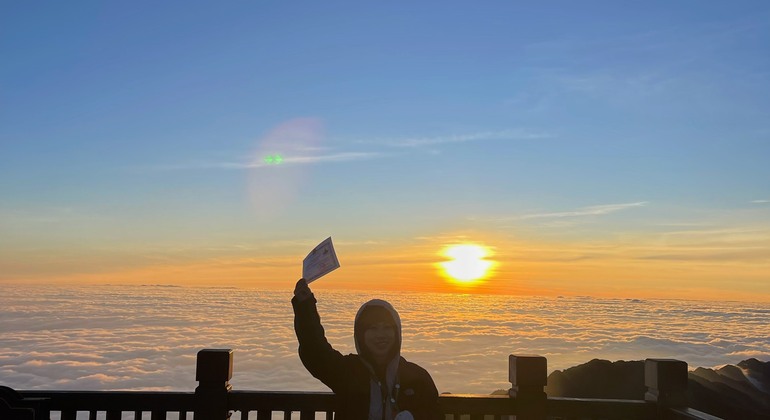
379,339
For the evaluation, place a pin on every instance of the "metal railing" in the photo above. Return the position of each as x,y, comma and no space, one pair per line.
214,399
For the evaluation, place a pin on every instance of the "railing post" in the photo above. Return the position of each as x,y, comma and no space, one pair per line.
666,382
528,375
213,371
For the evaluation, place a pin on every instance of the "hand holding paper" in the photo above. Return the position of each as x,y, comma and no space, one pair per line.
320,261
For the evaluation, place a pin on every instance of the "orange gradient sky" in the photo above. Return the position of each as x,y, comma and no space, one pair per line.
632,267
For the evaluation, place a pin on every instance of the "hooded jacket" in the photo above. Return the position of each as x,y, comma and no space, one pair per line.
360,392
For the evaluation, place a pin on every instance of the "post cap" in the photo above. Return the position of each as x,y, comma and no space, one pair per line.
214,365
527,370
665,374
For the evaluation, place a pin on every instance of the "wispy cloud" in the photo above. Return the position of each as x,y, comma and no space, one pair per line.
732,255
287,160
512,134
24,217
586,211
640,66
311,159
309,155
760,201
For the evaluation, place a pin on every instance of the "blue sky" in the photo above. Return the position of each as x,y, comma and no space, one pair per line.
130,131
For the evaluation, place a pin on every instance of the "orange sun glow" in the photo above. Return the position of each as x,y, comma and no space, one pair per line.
467,264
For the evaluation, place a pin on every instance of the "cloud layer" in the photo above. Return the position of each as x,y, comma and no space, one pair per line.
587,211
146,337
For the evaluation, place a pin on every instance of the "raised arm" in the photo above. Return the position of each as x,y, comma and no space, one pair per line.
318,356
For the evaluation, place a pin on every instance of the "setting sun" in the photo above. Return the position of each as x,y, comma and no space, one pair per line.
467,264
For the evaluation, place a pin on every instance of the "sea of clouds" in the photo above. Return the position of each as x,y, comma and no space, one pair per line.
147,337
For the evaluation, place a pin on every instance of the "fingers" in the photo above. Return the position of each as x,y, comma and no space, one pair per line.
301,286
301,290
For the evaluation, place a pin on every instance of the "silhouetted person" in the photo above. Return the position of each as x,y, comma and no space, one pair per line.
375,384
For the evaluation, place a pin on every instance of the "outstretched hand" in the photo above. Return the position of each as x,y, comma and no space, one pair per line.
302,290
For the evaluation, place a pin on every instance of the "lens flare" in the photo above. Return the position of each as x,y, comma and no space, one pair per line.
273,159
275,178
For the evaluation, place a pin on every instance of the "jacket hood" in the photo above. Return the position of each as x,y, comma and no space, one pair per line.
383,391
358,328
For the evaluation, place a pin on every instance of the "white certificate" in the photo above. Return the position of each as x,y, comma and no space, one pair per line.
320,261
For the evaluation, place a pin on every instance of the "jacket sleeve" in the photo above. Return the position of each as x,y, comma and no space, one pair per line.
429,410
423,401
318,356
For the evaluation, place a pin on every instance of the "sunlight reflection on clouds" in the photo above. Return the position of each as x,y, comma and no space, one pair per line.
146,337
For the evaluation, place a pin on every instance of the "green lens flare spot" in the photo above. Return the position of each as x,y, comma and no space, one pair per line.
273,159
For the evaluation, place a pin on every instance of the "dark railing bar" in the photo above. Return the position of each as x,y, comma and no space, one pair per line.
118,400
476,404
582,407
691,413
281,401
